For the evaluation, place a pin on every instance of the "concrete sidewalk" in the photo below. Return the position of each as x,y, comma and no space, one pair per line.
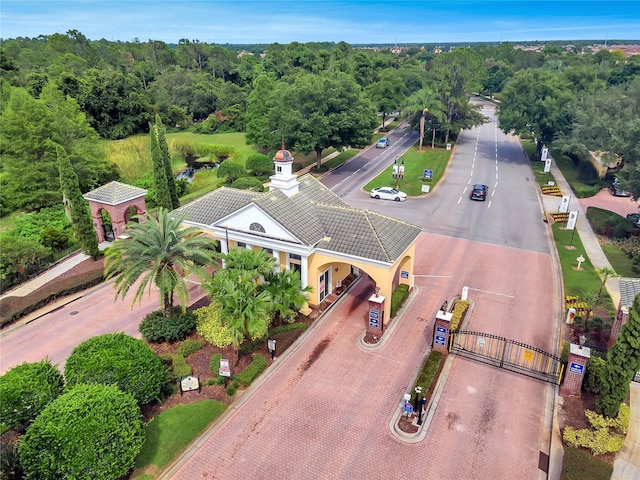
587,236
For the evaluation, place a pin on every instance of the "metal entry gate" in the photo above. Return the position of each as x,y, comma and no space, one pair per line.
508,354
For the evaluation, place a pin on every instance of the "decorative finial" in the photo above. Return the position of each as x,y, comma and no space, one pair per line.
282,142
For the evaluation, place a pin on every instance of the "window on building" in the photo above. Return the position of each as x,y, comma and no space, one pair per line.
256,227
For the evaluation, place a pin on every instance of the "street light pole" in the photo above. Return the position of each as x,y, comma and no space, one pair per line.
416,404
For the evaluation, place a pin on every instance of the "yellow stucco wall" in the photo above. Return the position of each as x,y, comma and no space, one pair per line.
382,275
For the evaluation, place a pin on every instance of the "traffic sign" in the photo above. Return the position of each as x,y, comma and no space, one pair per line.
408,408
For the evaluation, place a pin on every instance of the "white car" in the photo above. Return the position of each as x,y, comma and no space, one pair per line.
383,143
388,193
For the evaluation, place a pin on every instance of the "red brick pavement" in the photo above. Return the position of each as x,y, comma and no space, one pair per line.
324,412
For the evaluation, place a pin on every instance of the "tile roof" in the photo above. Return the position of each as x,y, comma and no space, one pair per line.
316,216
114,193
629,288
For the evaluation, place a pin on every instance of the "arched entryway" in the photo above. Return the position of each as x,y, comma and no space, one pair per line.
114,205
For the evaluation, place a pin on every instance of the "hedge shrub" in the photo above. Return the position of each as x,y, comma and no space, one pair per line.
398,298
249,183
25,390
209,326
180,367
595,371
214,363
459,309
117,359
92,431
254,369
604,438
190,346
155,327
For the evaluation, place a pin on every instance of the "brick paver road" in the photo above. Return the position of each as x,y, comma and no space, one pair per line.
325,411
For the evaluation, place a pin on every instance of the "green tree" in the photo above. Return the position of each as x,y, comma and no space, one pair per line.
76,206
534,102
244,308
25,390
160,253
161,138
259,164
387,93
623,361
287,295
604,274
29,168
231,170
455,75
316,112
163,196
117,359
92,431
425,104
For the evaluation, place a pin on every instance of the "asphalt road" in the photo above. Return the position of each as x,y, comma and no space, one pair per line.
511,215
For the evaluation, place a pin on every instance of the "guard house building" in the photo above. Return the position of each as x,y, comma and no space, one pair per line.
308,228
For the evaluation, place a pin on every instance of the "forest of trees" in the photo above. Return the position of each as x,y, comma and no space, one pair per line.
63,91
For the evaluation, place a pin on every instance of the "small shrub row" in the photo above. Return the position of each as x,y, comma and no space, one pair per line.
398,298
429,371
253,370
179,366
459,309
604,438
289,327
609,224
155,327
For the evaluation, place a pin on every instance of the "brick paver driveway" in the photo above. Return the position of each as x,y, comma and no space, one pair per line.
325,411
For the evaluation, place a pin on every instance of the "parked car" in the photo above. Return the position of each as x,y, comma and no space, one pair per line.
634,218
383,143
616,191
388,193
479,192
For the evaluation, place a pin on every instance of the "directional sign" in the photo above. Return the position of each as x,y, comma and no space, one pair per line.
576,368
440,340
441,330
427,174
408,408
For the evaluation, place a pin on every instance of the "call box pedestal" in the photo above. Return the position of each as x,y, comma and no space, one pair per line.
441,331
375,322
576,368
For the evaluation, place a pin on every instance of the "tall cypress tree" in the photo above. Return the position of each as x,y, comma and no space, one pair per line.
166,160
75,205
623,361
163,198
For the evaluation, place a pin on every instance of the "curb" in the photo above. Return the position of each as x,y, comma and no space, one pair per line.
244,395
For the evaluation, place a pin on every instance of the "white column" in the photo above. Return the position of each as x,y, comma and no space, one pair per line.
276,257
304,272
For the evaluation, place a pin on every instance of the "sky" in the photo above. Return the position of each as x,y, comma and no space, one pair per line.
355,21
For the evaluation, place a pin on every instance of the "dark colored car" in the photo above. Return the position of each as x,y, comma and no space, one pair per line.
616,191
479,192
634,218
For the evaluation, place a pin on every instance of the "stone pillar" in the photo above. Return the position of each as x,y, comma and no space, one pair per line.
375,322
576,368
441,331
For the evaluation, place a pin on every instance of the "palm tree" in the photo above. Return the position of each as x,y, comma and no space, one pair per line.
252,263
426,102
160,252
243,309
604,273
287,294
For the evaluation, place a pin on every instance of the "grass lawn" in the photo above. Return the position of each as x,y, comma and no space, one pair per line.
415,162
579,465
340,159
168,434
619,261
575,281
7,222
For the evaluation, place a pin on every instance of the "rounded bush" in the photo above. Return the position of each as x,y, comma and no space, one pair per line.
25,390
92,431
248,183
117,359
155,327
